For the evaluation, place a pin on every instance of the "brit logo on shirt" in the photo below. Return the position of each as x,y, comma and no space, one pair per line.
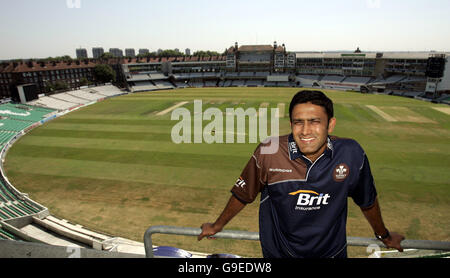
341,172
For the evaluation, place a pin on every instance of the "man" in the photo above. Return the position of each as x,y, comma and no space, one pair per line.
304,187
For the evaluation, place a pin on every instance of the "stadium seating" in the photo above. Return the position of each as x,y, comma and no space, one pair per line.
307,80
4,234
143,86
255,82
12,206
262,73
181,84
356,80
14,119
71,99
333,78
391,79
209,83
53,103
161,84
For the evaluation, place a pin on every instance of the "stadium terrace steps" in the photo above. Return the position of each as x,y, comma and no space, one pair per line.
53,231
71,99
21,249
4,234
52,103
12,206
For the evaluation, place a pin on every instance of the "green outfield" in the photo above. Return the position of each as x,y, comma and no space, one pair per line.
113,167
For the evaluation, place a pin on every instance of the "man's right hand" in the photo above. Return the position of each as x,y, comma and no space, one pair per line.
233,207
208,230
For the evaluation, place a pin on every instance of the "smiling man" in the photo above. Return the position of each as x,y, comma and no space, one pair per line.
304,187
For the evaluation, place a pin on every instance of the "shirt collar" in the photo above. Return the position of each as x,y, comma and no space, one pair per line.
294,150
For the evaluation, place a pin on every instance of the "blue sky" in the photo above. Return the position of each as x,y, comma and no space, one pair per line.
42,28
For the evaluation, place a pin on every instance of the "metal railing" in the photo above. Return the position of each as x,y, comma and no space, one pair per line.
243,235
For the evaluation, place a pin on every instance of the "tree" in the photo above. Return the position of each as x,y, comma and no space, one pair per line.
49,87
207,53
170,53
61,85
84,81
104,73
106,56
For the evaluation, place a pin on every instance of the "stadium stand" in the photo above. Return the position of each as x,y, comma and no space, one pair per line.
72,99
143,86
53,103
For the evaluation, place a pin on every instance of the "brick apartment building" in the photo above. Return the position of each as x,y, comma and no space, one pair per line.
71,73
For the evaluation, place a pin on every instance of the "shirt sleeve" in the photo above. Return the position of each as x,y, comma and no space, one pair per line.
364,192
251,180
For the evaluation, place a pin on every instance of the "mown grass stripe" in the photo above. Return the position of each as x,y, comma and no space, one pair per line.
182,176
172,159
231,150
48,183
124,122
110,128
135,136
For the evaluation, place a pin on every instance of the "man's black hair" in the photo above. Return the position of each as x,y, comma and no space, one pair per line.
314,97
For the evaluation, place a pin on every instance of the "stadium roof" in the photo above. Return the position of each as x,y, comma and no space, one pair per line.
370,55
32,66
255,48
